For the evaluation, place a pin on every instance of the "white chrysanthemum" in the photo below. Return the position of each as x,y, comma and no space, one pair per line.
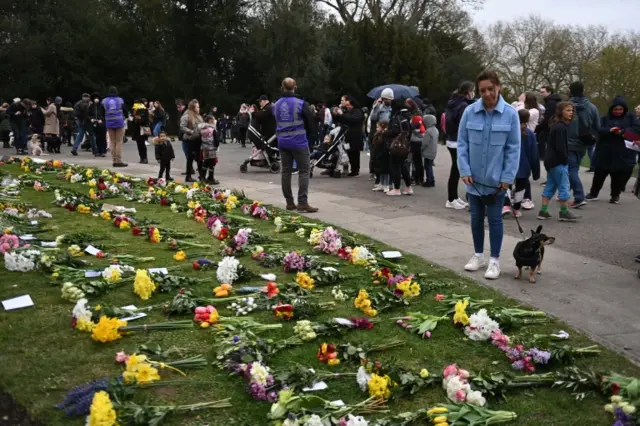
363,379
481,325
227,271
178,189
76,178
81,311
361,255
259,373
190,193
22,261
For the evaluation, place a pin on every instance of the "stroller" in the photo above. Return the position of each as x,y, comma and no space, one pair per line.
265,153
332,158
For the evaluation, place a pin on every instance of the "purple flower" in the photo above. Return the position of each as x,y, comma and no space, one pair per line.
518,365
622,419
272,397
295,262
235,340
538,356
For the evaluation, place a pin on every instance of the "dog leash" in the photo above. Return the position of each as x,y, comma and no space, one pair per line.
513,212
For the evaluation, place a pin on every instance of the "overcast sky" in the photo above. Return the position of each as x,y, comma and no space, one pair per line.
613,14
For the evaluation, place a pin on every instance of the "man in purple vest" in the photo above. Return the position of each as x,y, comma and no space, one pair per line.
115,112
295,126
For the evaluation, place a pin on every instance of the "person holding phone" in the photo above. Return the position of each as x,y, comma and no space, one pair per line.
611,156
488,160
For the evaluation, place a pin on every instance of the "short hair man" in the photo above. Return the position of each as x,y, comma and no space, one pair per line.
295,125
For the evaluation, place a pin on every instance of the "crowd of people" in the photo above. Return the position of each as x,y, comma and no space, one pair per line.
495,147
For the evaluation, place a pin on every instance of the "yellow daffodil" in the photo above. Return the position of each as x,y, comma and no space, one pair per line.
124,224
179,256
107,329
460,316
105,215
155,236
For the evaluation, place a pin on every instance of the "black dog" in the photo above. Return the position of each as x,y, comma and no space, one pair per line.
530,253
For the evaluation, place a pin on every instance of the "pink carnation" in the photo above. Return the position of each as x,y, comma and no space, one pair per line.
450,370
121,357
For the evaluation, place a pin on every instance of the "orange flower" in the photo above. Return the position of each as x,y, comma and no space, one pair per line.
439,297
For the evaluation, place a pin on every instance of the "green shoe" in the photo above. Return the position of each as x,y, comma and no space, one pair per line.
568,216
542,215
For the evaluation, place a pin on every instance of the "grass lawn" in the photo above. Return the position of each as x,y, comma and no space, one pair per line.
43,357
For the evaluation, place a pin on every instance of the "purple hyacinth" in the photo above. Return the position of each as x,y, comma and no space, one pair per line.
538,356
78,400
518,365
235,340
622,419
258,391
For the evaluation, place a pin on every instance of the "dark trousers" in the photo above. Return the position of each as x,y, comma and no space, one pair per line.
416,158
428,168
193,154
142,148
619,180
399,170
354,161
542,144
242,135
520,185
5,137
208,169
19,136
165,168
66,135
101,139
454,175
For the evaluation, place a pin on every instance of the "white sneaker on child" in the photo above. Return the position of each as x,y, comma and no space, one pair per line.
386,189
394,192
378,188
475,263
454,205
528,205
462,202
493,270
408,191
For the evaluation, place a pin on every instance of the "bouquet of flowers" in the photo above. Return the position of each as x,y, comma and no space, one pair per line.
9,242
296,262
267,260
456,383
218,227
244,306
111,329
256,210
21,260
329,242
359,255
481,326
469,414
230,270
306,330
422,324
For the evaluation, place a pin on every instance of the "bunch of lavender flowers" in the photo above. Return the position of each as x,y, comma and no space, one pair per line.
78,400
622,419
538,356
296,262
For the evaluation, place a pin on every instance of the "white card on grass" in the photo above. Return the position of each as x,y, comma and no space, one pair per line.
92,274
337,403
49,244
316,387
329,269
34,222
38,160
129,308
92,250
163,271
391,254
17,303
27,237
268,277
134,317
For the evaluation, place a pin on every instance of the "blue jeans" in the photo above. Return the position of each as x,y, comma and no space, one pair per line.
428,168
493,212
80,135
385,179
575,158
157,128
557,180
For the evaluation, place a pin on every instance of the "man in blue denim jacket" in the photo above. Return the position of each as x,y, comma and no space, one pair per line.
488,159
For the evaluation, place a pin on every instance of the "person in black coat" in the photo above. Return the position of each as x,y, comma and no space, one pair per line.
351,116
542,129
611,156
264,120
36,118
164,154
96,119
17,113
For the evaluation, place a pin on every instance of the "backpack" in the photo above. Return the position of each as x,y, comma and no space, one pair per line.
585,134
400,145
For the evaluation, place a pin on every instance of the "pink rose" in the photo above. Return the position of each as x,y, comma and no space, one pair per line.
463,374
201,310
121,357
450,370
461,395
399,322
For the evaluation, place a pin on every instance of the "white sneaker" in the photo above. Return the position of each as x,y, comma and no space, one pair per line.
408,191
394,192
461,202
475,263
147,143
386,189
506,210
528,205
493,271
454,205
377,188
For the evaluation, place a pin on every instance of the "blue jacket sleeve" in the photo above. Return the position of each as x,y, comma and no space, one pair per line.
595,120
463,146
534,156
511,161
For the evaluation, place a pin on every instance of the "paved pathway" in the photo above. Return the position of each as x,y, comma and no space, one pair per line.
589,278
